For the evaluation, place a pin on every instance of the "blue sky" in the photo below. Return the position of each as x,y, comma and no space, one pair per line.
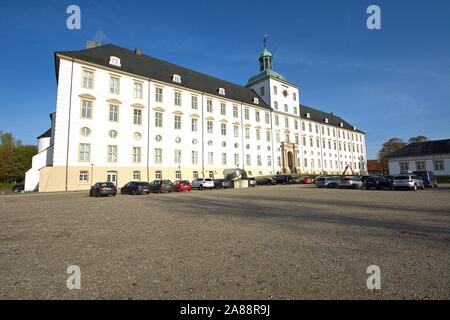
393,82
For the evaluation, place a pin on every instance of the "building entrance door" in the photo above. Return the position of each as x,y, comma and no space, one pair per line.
111,176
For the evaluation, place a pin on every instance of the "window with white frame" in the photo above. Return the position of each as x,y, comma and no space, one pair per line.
158,94
439,165
269,160
158,119
194,157
235,111
286,108
258,134
210,158
268,136
158,175
194,102
87,79
236,159
223,129
257,116
209,127
177,98
223,109
137,175
86,109
259,160
279,161
178,174
137,92
286,122
248,160
222,91
255,100
158,155
277,137
194,125
85,131
294,95
177,122
136,154
295,110
404,165
114,85
420,165
176,78
209,105
177,156
247,133
84,176
195,174
236,131
247,114
275,105
275,90
112,153
85,152
277,120
113,113
224,159
137,116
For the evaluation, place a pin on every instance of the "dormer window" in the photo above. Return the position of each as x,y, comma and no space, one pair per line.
341,125
255,100
222,91
308,115
176,78
114,61
326,120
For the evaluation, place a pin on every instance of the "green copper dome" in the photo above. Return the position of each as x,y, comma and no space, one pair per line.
266,53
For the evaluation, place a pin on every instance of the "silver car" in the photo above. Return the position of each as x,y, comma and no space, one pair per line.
350,182
408,181
327,182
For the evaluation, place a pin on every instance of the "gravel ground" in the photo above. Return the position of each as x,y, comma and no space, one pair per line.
275,242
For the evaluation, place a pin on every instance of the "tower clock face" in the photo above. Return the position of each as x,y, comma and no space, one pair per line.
285,93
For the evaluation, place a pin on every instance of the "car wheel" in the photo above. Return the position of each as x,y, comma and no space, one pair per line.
200,187
97,194
415,187
114,194
423,187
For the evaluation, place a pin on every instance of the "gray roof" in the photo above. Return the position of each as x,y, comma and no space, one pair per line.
423,149
153,68
46,134
320,116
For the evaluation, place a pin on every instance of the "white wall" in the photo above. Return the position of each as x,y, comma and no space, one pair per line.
394,164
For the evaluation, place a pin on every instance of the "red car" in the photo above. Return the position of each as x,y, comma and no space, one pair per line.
182,185
308,180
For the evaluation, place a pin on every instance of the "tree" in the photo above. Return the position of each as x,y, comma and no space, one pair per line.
418,139
390,146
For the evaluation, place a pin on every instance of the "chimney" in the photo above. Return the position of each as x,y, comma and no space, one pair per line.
92,44
138,52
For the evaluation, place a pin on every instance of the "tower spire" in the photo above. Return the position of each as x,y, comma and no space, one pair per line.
265,40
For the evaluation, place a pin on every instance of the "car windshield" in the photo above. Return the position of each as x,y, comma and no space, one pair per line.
155,182
321,179
402,178
208,179
184,183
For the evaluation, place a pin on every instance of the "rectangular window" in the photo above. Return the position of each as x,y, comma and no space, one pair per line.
246,114
86,109
267,118
178,175
194,102
223,110
158,155
257,116
247,133
87,80
137,116
85,152
275,90
158,119
136,154
286,122
209,106
275,105
295,124
277,137
277,120
236,159
177,156
209,127
236,131
297,141
84,176
268,136
112,153
224,159
294,95
310,127
194,157
235,111
304,141
158,175
223,129
295,110
404,166
158,94
269,160
195,174
311,142
439,165
137,92
177,122
210,158
194,125
248,159
420,165
258,160
286,108
113,113
177,98
258,134
279,161
305,162
114,85
136,175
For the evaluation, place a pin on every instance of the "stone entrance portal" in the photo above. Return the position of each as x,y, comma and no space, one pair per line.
290,157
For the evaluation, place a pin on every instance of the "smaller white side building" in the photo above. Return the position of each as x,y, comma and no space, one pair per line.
422,156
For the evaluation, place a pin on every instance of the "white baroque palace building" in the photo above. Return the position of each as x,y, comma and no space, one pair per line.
121,116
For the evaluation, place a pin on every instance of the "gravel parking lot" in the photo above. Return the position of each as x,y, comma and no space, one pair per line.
274,242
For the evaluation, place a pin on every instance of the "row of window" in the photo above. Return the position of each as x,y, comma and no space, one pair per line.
329,164
87,82
112,153
87,112
438,165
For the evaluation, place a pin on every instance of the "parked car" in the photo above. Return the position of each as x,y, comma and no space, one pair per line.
252,182
103,189
182,185
327,182
135,188
350,182
307,180
408,181
363,178
283,179
265,181
296,180
202,183
160,186
428,178
18,187
222,184
377,182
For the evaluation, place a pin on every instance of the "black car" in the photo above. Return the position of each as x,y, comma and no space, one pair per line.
283,179
103,189
135,188
160,186
18,187
377,182
222,184
265,182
